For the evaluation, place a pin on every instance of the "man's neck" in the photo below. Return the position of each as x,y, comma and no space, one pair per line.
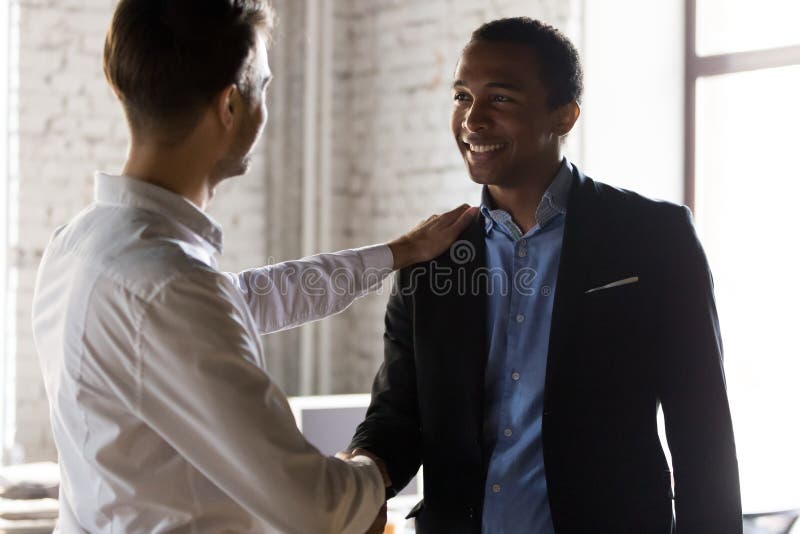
522,199
176,169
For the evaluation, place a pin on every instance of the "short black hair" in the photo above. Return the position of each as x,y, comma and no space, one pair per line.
560,66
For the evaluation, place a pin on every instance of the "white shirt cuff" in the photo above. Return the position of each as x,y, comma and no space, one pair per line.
368,462
377,257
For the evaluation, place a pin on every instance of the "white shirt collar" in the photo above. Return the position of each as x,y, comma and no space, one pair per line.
125,191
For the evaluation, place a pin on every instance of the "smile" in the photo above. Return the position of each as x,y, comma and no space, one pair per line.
486,148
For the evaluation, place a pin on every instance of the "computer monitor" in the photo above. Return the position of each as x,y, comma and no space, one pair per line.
329,421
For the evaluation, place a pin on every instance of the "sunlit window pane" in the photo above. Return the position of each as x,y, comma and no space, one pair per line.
748,216
725,26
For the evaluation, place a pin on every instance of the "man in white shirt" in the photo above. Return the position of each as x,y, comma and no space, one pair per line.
162,412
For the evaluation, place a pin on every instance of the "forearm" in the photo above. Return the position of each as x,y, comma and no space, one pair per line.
295,292
243,438
198,388
288,294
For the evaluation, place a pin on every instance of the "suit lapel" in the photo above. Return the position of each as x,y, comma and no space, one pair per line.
454,315
573,275
468,260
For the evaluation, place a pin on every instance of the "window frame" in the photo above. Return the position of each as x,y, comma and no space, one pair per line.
697,67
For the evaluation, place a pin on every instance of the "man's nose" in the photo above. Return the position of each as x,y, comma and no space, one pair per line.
476,118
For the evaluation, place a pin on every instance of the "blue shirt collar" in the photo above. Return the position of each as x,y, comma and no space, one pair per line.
554,202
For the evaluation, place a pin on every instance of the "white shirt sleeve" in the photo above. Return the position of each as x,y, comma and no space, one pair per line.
288,294
197,388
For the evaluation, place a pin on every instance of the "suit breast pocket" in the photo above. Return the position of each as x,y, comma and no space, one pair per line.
612,307
610,330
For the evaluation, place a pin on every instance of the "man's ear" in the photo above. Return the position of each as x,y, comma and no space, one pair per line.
227,105
566,116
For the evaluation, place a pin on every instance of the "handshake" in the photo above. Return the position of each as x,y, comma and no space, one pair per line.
379,524
427,240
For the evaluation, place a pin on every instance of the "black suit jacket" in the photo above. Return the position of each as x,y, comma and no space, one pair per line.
613,356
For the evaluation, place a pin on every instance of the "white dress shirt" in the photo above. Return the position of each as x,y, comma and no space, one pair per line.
163,414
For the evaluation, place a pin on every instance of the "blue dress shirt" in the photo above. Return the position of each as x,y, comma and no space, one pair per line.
523,271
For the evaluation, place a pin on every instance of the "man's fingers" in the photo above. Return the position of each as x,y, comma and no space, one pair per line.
445,219
425,223
464,219
460,223
452,215
430,237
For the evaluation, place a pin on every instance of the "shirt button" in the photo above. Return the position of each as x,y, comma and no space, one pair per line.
507,432
515,376
523,252
520,318
496,488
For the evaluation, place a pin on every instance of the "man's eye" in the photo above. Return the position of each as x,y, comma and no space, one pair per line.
501,98
460,97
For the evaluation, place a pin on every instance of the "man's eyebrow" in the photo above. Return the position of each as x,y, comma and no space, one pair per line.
504,85
494,85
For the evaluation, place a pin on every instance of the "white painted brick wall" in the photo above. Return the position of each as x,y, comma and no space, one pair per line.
393,162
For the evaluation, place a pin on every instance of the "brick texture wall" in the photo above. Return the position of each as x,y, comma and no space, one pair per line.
69,126
392,159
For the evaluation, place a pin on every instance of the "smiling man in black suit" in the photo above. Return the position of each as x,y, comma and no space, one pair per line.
525,369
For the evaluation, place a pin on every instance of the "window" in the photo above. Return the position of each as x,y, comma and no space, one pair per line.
743,182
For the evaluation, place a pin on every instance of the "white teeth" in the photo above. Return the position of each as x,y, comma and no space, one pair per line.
485,148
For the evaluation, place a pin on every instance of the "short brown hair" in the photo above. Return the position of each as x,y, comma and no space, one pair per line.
167,59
